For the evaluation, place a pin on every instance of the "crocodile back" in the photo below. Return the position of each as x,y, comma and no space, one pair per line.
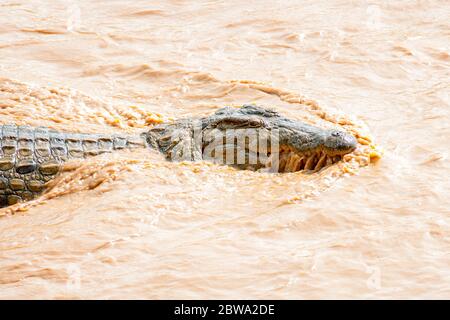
30,157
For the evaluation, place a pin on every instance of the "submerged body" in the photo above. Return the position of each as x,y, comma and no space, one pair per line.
249,137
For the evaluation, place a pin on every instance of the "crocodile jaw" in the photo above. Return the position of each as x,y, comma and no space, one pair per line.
291,160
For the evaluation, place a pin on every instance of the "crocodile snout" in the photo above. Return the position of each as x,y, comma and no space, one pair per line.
340,142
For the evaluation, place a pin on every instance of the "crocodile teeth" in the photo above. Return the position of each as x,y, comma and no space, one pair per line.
292,162
282,164
295,163
286,166
300,164
321,162
310,162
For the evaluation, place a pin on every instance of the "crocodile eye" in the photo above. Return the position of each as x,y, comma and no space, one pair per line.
337,134
255,122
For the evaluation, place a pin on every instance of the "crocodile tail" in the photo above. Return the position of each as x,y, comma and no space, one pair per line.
30,157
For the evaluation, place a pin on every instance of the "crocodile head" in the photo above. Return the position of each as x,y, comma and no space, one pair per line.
252,137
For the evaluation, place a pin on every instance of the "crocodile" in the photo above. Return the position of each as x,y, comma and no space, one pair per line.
246,137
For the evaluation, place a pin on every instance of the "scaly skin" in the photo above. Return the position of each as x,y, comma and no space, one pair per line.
291,145
30,157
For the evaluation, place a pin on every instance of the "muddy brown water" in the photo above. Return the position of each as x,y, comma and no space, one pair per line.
132,225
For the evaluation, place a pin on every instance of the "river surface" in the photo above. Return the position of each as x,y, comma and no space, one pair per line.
132,225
